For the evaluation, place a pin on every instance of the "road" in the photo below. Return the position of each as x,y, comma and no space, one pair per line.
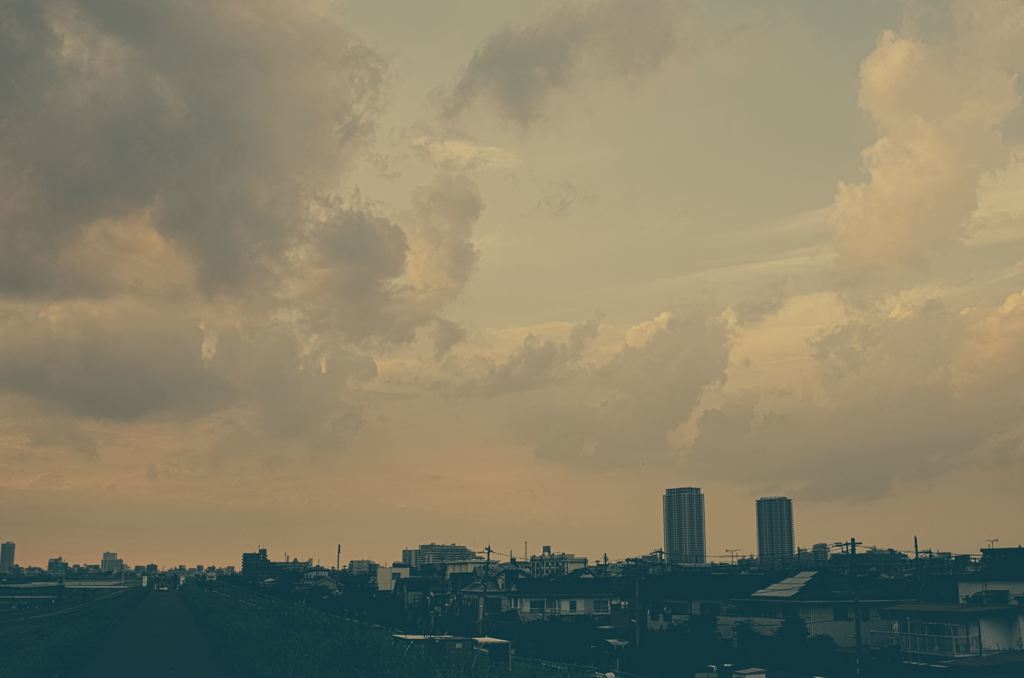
157,639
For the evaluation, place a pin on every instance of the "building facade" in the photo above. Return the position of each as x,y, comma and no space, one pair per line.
255,564
111,564
363,568
57,567
549,564
683,509
775,543
436,554
7,556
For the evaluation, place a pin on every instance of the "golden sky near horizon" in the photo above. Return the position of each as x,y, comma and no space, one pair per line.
385,273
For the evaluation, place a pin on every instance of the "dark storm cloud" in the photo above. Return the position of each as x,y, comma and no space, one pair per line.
217,118
517,69
102,365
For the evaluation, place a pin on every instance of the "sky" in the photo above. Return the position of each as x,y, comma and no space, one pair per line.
308,273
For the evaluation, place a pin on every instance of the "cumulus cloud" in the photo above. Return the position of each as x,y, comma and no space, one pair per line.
939,109
537,362
118,364
624,411
519,68
442,254
919,391
177,242
214,120
447,335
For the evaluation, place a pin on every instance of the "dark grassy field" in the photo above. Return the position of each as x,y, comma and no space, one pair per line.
53,642
253,636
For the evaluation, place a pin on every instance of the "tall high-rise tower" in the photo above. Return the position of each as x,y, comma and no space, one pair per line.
775,542
684,525
7,556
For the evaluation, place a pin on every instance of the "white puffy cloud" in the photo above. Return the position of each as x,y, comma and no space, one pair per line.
939,109
897,396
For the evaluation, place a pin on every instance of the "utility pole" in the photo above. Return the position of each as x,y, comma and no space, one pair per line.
636,602
483,601
732,555
856,606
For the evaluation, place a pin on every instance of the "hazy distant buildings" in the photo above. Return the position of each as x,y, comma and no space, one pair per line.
57,567
549,564
775,543
363,568
436,554
255,564
819,554
111,564
684,525
7,556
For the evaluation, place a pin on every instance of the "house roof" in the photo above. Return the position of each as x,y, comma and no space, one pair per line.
561,586
953,609
826,587
788,587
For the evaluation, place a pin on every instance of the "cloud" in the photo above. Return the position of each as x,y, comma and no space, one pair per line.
446,335
518,69
898,396
216,121
562,199
939,109
534,364
439,225
768,300
106,364
461,154
289,390
624,411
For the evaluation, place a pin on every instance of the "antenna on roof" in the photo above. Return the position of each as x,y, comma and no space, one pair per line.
992,543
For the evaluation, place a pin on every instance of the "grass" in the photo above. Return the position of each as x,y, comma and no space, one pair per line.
257,637
47,643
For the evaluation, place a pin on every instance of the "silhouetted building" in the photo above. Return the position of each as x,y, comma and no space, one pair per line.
819,554
1003,561
363,568
111,564
549,564
775,531
7,556
436,554
684,525
255,564
57,567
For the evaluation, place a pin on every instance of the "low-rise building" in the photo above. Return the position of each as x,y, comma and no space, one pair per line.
436,554
549,564
827,603
363,568
388,576
936,632
534,599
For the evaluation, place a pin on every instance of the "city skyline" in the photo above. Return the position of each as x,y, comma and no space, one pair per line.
313,272
683,528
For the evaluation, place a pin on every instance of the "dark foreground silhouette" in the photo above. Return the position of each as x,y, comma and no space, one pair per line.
158,638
